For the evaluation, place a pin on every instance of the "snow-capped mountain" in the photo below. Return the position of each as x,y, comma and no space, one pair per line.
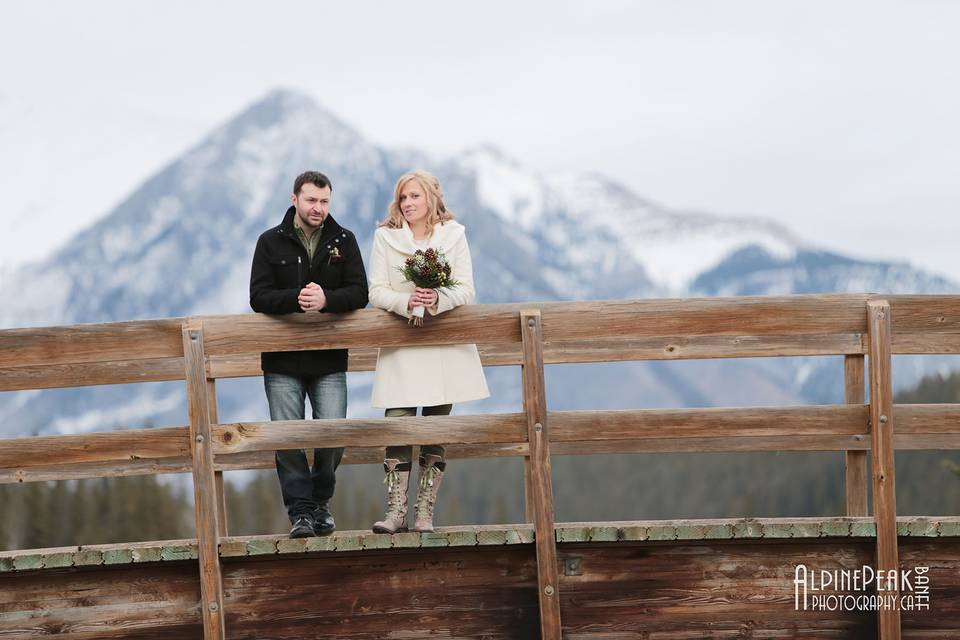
181,244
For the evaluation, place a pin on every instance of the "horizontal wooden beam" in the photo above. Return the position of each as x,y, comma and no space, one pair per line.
91,343
88,374
88,470
366,328
102,446
602,350
831,420
371,455
926,418
563,352
376,432
924,313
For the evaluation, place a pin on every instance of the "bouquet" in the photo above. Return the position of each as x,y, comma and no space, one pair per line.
429,270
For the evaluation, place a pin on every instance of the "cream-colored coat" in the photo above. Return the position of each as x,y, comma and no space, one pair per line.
429,375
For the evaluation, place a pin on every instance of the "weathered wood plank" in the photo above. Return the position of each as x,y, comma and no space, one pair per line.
855,471
204,482
83,470
924,313
926,418
715,444
833,420
746,316
102,603
371,455
213,413
90,374
925,324
374,432
929,343
136,340
616,349
913,422
881,432
540,476
602,350
104,446
365,328
563,321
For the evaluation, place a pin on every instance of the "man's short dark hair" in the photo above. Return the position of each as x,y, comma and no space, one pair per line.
313,177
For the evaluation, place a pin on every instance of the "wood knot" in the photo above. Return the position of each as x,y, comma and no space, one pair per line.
227,437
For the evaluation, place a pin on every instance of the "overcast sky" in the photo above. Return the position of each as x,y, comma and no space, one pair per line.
840,120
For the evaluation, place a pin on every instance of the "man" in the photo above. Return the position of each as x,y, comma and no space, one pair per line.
308,263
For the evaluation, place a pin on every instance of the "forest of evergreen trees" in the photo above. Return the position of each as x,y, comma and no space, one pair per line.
611,487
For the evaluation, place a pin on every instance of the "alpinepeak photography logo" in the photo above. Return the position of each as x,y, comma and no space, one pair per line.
861,589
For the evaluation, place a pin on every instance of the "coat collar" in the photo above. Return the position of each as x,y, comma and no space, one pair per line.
286,228
444,237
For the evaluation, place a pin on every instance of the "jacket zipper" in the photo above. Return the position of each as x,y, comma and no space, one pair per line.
299,272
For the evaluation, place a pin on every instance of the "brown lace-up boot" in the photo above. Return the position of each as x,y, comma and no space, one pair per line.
431,473
397,481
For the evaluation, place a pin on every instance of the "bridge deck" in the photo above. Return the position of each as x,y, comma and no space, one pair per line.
480,535
682,579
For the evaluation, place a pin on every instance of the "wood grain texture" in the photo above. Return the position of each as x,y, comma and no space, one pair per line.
373,432
104,602
881,432
366,328
855,471
540,476
665,586
213,413
136,340
613,349
562,321
204,483
425,593
85,470
826,420
91,374
693,589
104,446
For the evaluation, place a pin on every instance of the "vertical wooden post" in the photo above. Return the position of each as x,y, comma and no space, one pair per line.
855,467
218,475
881,440
541,479
528,489
204,482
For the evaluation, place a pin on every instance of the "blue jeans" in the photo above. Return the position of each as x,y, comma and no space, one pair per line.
305,489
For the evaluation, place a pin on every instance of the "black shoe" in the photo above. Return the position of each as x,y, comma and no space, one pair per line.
323,523
303,527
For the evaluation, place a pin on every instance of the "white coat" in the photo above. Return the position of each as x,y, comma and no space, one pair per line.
429,375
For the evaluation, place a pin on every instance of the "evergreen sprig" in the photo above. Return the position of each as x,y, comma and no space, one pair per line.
428,269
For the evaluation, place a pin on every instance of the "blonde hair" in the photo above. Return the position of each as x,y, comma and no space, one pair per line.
437,212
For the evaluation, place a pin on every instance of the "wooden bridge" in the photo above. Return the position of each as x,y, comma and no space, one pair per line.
731,578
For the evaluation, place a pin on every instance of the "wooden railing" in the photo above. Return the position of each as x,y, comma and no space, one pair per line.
201,350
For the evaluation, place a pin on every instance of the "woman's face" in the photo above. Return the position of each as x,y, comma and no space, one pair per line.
413,203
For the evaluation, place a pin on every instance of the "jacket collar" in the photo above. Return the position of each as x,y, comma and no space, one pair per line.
286,228
444,237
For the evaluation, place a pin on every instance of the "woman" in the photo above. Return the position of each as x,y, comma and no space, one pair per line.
432,377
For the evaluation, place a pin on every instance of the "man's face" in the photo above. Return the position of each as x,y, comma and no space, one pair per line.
312,205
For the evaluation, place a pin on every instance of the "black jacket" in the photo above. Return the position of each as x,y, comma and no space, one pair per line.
281,269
